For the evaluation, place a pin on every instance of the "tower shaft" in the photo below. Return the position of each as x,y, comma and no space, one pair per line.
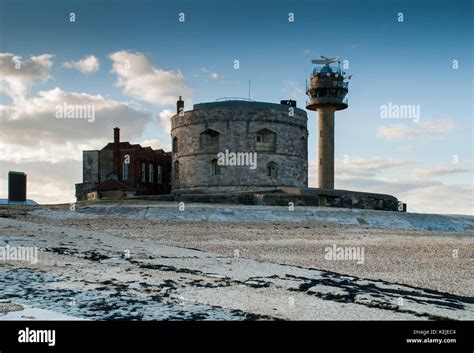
326,147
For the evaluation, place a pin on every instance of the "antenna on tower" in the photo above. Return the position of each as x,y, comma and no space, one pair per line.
249,89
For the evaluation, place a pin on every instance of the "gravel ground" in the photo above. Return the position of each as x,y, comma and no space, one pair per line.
441,261
95,275
126,263
8,306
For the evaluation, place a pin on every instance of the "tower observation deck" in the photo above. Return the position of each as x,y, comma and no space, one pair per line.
327,92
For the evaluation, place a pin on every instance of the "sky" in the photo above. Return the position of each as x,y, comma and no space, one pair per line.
130,60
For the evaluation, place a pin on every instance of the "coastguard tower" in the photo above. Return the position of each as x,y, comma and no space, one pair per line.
327,91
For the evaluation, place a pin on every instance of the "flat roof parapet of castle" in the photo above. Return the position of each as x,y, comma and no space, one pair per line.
246,104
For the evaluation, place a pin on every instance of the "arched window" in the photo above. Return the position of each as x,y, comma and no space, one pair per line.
265,140
176,169
209,139
175,145
272,169
215,167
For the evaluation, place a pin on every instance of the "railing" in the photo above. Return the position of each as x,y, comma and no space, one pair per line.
334,69
328,84
322,100
223,99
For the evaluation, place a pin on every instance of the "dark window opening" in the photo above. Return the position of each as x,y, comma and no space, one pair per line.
215,167
176,170
271,169
175,145
265,141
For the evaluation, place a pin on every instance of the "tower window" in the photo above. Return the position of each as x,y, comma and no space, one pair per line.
175,145
272,169
265,141
215,167
176,170
209,139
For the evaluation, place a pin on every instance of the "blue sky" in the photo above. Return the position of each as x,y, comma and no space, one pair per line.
406,63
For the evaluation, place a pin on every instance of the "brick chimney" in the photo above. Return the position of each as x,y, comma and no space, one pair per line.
117,151
179,105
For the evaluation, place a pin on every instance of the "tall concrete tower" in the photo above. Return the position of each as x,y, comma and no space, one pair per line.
327,91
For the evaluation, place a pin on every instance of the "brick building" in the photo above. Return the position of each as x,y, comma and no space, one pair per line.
122,169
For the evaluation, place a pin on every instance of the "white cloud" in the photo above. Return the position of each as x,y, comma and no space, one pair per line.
292,89
429,129
17,76
421,196
35,120
212,75
407,149
48,182
87,65
49,150
155,144
439,197
439,170
416,188
354,165
139,79
45,152
165,119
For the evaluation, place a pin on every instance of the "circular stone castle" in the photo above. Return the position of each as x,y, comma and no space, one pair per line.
233,146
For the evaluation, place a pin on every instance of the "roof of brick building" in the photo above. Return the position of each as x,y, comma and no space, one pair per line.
110,185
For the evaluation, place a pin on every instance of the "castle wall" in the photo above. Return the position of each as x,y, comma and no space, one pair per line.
237,125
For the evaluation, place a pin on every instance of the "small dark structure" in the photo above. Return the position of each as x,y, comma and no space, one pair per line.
16,187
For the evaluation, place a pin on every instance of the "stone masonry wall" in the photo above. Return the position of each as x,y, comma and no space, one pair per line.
237,127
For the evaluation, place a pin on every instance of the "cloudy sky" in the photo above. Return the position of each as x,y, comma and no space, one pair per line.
131,59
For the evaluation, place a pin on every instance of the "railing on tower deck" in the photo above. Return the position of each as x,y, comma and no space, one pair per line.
223,99
334,69
334,84
328,99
